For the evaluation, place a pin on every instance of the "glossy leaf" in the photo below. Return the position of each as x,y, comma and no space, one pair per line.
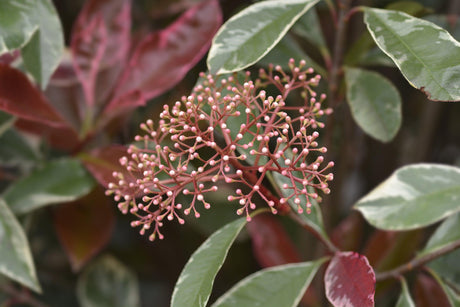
308,27
19,97
374,102
33,26
101,41
404,300
447,233
447,266
94,218
249,35
15,257
412,197
350,280
452,296
55,182
195,282
282,285
287,49
103,161
270,242
162,59
15,149
431,67
427,293
108,283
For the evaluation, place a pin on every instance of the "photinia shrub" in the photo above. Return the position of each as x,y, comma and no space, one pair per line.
298,120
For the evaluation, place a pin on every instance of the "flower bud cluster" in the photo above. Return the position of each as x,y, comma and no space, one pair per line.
229,130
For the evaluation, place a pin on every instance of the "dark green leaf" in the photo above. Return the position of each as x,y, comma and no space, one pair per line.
249,35
108,283
282,285
405,300
427,55
15,149
412,197
56,182
447,266
447,233
195,282
374,102
286,49
15,257
308,27
34,27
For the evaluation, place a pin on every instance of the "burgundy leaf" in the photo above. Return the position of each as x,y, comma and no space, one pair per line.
102,162
65,94
8,58
100,45
348,234
63,138
379,245
84,227
427,292
88,47
19,97
350,281
271,244
163,58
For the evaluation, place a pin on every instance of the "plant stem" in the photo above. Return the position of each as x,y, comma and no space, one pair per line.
416,262
329,245
21,296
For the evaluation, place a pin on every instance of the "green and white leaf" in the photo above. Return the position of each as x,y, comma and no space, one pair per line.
194,285
249,35
55,182
34,27
108,283
282,285
427,55
15,257
404,300
447,233
412,197
375,103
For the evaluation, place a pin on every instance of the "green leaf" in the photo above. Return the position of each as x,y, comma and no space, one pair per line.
56,182
427,55
374,102
404,300
15,256
286,49
249,35
308,27
444,22
447,233
34,27
282,285
447,266
413,197
195,282
15,149
108,283
314,219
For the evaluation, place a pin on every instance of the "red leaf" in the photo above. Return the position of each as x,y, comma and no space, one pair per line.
84,227
102,162
100,44
19,97
428,293
8,58
350,281
348,234
163,58
270,242
64,138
